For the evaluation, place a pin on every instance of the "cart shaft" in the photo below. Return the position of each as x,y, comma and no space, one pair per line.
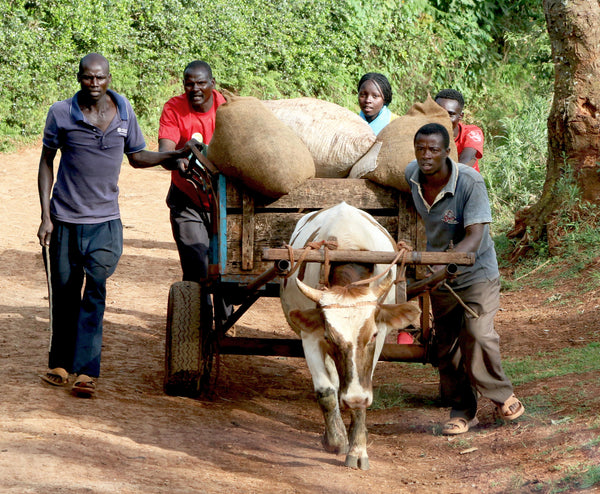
236,345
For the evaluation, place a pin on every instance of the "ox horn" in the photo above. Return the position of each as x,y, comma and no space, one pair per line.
312,293
384,286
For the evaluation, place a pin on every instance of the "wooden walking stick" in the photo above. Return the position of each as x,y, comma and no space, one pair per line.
49,279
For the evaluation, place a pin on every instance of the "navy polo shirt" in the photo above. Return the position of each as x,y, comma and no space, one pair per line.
462,202
86,189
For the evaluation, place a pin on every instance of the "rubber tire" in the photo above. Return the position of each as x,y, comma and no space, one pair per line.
189,347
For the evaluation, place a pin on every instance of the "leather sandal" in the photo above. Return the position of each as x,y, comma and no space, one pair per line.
84,385
511,408
458,425
56,377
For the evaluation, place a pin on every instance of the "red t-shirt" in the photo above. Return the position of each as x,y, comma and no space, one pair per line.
470,136
179,123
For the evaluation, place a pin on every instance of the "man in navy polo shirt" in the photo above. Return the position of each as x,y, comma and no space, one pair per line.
81,223
452,200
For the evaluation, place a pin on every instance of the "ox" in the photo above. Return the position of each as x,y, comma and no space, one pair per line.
343,327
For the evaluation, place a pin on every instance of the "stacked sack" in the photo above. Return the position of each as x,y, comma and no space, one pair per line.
251,144
274,146
336,137
393,149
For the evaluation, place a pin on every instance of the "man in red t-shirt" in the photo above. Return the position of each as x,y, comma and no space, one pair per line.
468,138
190,115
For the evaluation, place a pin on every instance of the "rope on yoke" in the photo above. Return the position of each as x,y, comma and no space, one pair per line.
404,249
326,244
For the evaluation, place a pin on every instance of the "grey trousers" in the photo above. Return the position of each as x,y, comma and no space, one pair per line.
468,348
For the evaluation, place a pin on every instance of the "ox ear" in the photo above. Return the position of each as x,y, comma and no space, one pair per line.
397,316
310,292
308,320
383,287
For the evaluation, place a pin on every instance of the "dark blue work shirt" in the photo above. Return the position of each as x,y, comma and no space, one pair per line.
462,202
86,189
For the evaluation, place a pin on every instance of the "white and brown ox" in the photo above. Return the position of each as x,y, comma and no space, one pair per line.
343,328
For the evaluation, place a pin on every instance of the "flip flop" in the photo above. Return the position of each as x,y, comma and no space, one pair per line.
56,377
458,425
84,385
511,408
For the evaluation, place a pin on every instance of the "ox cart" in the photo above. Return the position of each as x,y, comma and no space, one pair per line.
247,259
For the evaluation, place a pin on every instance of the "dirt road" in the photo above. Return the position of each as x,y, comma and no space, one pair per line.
261,433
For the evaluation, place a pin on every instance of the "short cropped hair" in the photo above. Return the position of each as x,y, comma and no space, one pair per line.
198,64
93,57
381,81
432,129
451,94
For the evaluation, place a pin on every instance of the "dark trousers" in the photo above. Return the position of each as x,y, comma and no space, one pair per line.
468,348
191,234
78,254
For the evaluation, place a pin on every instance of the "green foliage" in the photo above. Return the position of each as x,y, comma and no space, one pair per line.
515,160
574,226
269,49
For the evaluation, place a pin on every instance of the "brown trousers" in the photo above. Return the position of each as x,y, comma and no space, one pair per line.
468,348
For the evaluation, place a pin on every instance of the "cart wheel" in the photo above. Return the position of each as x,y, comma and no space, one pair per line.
189,346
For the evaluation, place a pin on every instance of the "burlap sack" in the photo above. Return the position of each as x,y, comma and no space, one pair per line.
386,161
251,144
335,136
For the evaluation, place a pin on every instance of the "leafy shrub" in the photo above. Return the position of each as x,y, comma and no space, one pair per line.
269,49
514,164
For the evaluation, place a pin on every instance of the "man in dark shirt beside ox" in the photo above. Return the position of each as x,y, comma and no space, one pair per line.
452,200
81,229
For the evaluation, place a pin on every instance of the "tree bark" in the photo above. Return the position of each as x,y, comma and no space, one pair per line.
574,120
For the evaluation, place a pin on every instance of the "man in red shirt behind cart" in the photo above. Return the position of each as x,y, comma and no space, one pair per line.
190,115
468,138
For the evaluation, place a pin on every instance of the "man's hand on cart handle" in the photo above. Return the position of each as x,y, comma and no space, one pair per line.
185,154
440,273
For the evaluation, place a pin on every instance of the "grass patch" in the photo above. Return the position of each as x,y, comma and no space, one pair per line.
522,371
389,396
582,476
576,477
590,478
545,365
392,396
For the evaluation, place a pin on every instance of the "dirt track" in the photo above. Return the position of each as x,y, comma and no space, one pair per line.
261,434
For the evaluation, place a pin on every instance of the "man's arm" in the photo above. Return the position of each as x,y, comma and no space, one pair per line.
45,181
171,159
472,238
165,145
470,243
468,156
473,145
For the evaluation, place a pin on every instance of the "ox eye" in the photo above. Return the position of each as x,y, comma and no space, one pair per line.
374,337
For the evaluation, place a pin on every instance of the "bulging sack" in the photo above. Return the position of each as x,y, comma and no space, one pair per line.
394,148
252,145
335,136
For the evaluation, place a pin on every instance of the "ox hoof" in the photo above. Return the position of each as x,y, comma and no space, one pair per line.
356,462
338,447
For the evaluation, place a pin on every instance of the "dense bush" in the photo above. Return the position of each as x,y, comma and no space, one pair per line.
515,160
270,49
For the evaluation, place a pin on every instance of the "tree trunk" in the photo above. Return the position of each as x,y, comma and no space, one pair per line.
574,121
